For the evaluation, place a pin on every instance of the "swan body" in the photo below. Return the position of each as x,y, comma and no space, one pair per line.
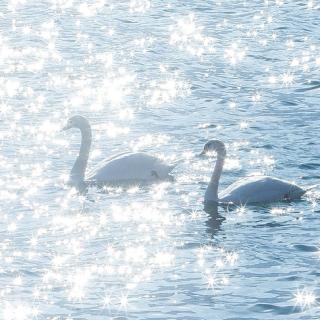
130,167
122,168
260,189
256,189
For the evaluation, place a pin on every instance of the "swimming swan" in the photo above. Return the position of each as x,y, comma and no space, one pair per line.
123,168
258,189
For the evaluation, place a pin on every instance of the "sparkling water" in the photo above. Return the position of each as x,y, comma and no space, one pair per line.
161,77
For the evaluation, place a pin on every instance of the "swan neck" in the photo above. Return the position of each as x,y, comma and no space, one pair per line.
79,168
215,178
86,138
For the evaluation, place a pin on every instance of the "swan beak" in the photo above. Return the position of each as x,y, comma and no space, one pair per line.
66,127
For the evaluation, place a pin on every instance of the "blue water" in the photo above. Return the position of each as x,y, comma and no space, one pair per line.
161,77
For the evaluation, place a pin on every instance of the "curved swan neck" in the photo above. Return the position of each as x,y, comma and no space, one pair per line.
215,178
80,165
86,138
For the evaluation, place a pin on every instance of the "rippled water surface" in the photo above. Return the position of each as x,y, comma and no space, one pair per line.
161,77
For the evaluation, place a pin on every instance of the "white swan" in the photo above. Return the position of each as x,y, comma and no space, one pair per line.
123,168
258,189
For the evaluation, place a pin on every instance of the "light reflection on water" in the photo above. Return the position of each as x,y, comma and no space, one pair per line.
162,78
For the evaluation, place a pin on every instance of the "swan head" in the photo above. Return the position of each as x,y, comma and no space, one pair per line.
214,146
79,122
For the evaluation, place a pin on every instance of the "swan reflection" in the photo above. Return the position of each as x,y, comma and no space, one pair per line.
214,218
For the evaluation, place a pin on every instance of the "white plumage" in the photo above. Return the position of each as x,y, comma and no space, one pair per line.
130,167
260,189
122,168
256,189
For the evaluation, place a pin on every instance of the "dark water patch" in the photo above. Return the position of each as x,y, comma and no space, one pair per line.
289,278
289,103
305,248
269,224
301,125
309,178
288,147
206,126
190,245
126,21
207,9
259,57
282,28
255,128
264,146
265,308
312,85
309,166
308,89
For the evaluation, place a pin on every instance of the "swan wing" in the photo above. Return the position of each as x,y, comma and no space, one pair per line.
130,167
260,189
